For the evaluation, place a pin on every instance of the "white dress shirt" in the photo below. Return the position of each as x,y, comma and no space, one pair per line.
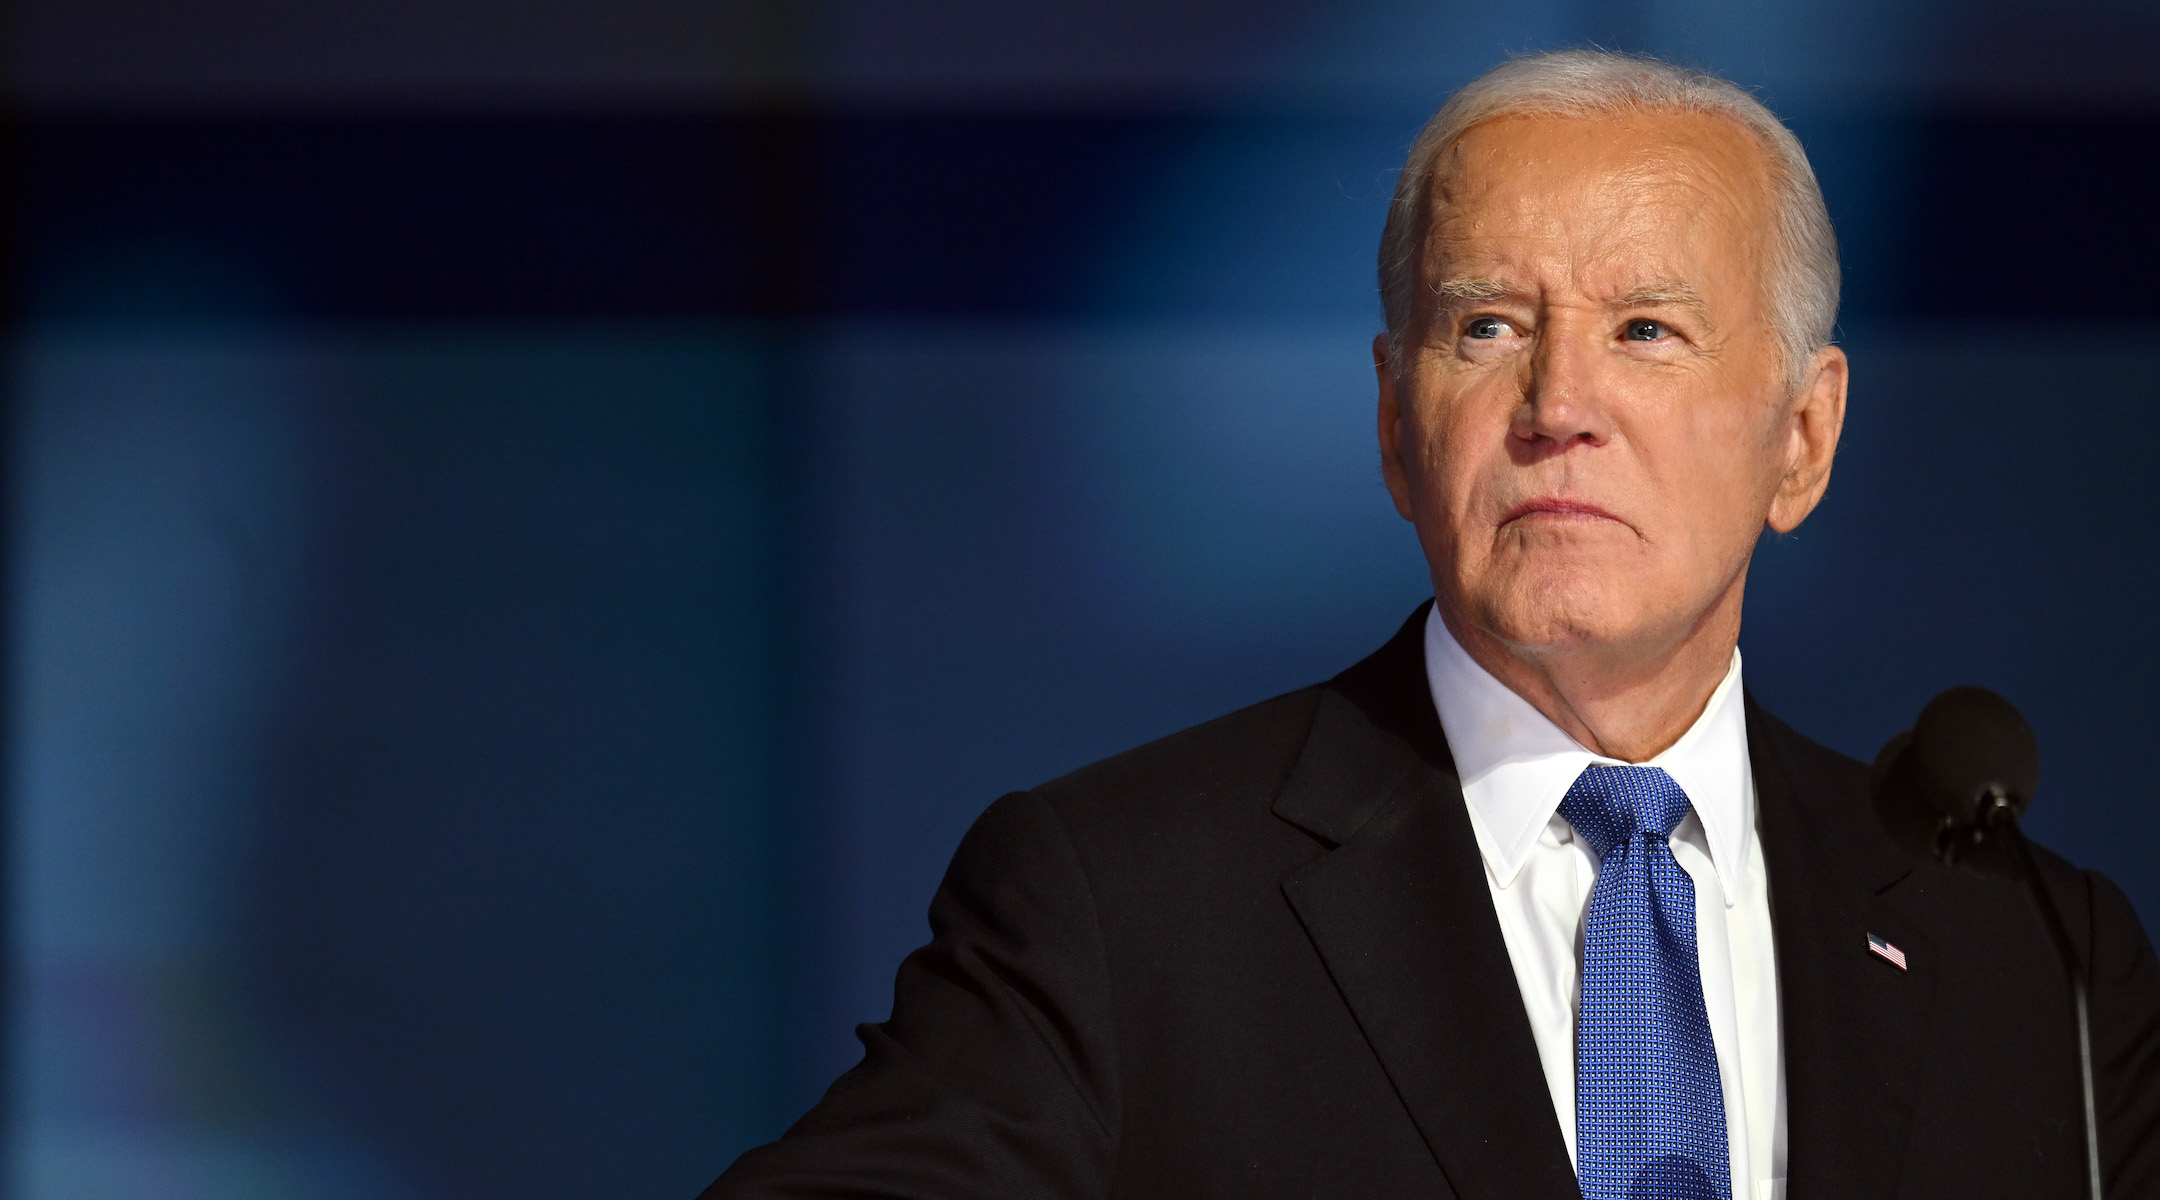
1516,766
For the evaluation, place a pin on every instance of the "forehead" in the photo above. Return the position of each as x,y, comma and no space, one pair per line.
1640,190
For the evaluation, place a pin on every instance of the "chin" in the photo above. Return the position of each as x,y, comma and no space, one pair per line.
1572,609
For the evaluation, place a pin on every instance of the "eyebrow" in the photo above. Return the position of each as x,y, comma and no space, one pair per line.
1471,288
1478,289
1665,292
1662,291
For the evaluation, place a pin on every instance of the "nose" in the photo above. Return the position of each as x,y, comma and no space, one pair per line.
1561,404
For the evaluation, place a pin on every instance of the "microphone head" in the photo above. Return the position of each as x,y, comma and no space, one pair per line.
1969,747
1936,784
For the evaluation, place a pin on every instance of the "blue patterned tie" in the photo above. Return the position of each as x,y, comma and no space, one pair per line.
1649,1114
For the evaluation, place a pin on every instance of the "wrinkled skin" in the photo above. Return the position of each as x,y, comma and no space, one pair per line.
1595,422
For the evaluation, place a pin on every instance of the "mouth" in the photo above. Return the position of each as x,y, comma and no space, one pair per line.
1554,508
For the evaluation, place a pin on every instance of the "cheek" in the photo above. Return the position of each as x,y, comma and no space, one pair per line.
1725,472
1461,438
1458,477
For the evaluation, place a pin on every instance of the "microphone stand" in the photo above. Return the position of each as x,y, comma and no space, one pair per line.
1999,816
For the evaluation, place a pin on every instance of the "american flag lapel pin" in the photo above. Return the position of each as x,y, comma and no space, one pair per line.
1885,950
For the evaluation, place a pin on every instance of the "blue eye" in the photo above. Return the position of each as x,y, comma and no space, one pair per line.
1485,327
1646,331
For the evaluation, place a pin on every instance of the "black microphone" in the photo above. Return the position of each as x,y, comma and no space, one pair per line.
1969,763
1951,790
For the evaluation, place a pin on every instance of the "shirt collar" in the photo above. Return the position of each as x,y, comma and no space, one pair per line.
1517,765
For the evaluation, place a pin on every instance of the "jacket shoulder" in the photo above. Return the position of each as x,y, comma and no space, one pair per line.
1239,760
1810,761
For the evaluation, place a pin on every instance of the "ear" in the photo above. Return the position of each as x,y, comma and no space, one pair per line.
1391,463
1816,419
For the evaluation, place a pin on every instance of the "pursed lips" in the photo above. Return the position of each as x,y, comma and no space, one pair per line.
1557,508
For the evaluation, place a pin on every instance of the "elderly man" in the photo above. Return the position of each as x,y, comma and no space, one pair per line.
1534,902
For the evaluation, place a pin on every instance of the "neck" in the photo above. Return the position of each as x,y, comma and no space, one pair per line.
1621,702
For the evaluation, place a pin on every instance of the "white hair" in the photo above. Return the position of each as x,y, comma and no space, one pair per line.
1802,281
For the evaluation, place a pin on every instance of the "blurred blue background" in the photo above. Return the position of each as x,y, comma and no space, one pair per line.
533,528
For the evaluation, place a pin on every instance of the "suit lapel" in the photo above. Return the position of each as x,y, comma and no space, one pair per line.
1400,914
1853,1023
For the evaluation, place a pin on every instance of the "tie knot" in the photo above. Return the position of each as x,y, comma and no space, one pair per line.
1608,805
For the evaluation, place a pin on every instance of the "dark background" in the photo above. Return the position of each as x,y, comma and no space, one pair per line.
535,527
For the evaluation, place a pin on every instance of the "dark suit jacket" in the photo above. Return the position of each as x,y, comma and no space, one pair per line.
1258,959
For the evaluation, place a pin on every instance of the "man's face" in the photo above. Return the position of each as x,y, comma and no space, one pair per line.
1595,423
